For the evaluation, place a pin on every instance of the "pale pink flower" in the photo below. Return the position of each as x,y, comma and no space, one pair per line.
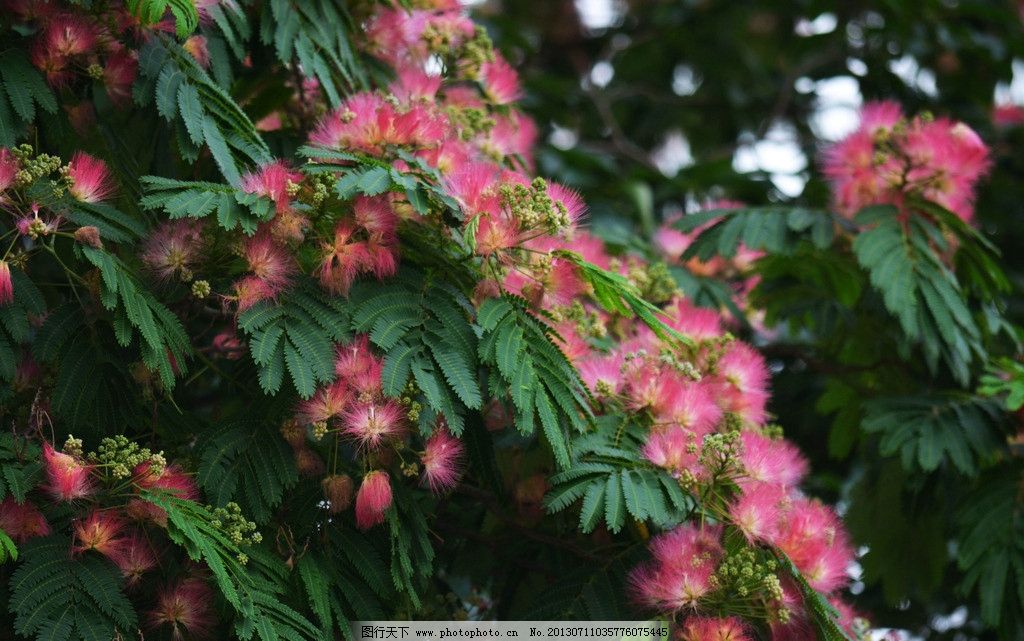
269,261
9,166
342,260
757,510
372,425
679,575
442,461
773,461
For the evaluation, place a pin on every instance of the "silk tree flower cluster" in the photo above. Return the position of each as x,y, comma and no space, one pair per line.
103,490
448,118
704,408
891,156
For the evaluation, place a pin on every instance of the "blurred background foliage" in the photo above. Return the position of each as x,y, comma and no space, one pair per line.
655,108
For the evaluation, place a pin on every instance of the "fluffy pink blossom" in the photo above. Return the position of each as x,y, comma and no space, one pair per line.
713,629
22,521
269,261
442,461
135,557
91,181
342,259
68,478
690,404
174,248
602,374
500,81
415,85
69,35
699,323
373,499
355,358
757,511
880,163
745,378
187,609
367,122
6,284
813,537
679,574
9,166
675,449
271,180
102,531
372,425
170,479
774,461
327,403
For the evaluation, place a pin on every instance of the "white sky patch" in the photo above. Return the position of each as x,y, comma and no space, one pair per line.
910,72
674,154
777,154
1012,93
599,14
563,138
825,23
955,619
838,102
685,81
434,66
602,73
857,66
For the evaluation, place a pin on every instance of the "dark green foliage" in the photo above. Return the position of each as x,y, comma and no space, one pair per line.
615,294
22,89
991,552
247,462
777,230
191,199
186,18
926,432
1004,377
203,113
315,34
253,589
412,554
530,369
590,591
423,326
616,483
297,334
14,321
163,344
19,467
917,288
57,597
